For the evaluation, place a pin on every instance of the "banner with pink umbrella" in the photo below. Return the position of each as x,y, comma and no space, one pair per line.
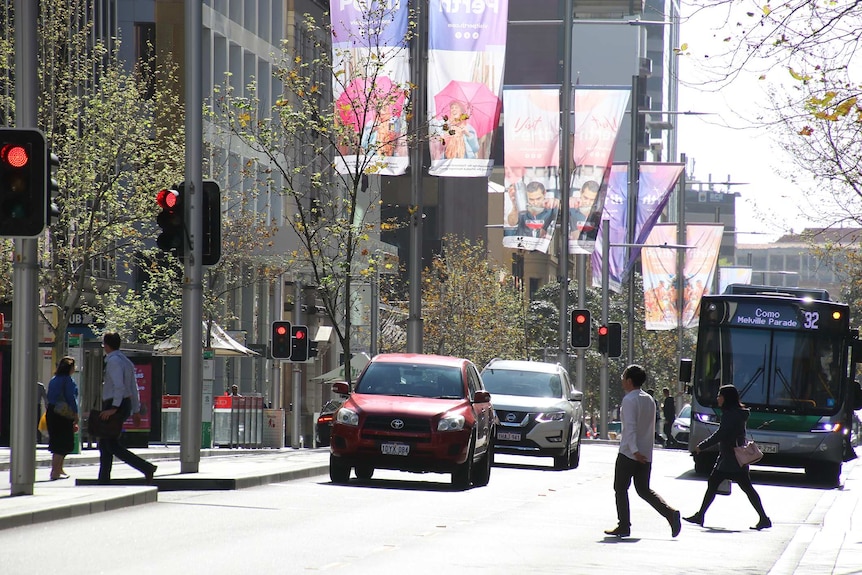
370,84
466,57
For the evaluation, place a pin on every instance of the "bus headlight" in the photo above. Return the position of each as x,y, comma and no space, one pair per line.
707,418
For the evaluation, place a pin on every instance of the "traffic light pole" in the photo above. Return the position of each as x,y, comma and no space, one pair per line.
296,372
192,345
603,373
25,345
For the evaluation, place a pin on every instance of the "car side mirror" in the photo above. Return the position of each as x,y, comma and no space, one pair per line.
576,396
341,387
482,396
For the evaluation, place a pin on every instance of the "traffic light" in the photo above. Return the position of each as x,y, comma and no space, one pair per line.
299,343
312,348
603,339
24,170
53,188
615,339
280,340
644,104
581,328
172,221
211,248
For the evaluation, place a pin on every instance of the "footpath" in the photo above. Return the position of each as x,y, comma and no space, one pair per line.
221,469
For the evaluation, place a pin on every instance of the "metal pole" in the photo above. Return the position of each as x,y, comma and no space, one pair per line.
296,393
565,183
192,345
631,219
680,258
603,374
375,308
414,319
275,364
25,308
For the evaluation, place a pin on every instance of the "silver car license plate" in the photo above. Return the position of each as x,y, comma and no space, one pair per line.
508,436
768,447
394,448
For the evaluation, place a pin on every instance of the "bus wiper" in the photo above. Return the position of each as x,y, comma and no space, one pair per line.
750,381
785,383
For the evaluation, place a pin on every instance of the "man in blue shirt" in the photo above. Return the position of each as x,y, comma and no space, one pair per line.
634,460
119,399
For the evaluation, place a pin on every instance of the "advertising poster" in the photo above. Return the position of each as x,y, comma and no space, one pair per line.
370,85
661,294
466,58
144,378
655,184
732,275
598,113
531,175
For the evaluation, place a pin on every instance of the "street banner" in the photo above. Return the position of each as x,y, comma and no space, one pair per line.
531,176
598,113
733,275
466,58
661,296
655,183
370,85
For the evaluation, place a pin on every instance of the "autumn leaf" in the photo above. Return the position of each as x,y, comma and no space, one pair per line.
806,131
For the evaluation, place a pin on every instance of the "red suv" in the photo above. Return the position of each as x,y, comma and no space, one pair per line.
414,412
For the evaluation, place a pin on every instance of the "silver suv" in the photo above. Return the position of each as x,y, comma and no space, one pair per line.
539,410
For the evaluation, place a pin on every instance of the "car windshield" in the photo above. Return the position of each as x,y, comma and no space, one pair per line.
523,383
685,412
412,380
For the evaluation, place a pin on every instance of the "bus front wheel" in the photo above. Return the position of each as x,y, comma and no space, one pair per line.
824,473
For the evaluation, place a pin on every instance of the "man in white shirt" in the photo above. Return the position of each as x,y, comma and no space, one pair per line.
634,460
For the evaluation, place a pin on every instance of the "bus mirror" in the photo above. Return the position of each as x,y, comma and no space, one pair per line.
685,370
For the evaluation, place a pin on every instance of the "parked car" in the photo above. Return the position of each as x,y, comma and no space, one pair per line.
323,427
539,410
417,413
680,428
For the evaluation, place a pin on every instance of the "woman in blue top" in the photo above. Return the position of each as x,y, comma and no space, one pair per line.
62,428
730,433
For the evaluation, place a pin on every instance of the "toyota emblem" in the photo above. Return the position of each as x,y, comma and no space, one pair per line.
510,417
397,424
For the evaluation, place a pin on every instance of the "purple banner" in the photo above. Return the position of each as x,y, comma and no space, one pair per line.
655,184
370,85
466,58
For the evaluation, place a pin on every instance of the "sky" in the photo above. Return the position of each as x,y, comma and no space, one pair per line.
723,146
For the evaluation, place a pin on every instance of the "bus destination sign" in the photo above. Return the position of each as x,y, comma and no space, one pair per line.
772,316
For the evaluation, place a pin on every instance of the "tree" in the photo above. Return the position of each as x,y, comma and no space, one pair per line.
116,145
470,306
304,147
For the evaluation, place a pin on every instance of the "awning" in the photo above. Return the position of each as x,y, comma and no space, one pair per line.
357,363
221,343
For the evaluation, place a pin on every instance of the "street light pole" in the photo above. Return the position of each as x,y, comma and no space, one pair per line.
631,211
565,182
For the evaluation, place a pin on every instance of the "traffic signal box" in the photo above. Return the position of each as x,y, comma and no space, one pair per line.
299,343
24,177
581,328
172,221
611,339
280,340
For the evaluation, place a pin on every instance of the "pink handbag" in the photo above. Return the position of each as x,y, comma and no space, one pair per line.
748,453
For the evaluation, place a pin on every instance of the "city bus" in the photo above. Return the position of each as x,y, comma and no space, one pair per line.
792,355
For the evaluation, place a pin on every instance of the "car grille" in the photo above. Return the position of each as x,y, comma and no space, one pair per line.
383,423
515,418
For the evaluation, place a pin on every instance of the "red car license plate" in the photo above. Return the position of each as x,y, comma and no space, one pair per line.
394,448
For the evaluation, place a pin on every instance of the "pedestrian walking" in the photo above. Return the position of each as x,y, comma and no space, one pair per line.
61,415
634,460
730,433
119,399
668,410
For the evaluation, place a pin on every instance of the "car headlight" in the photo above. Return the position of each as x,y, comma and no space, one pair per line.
707,417
347,416
451,423
551,416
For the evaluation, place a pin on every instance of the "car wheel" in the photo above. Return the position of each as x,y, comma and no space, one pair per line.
564,461
461,475
482,469
339,471
364,471
576,458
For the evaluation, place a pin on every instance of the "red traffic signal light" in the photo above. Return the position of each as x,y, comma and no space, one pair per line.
603,330
581,328
603,338
24,177
280,340
14,155
299,343
168,199
172,221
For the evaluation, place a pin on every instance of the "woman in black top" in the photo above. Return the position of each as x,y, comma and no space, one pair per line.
730,433
62,426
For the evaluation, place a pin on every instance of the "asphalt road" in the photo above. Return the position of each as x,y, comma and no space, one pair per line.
529,519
